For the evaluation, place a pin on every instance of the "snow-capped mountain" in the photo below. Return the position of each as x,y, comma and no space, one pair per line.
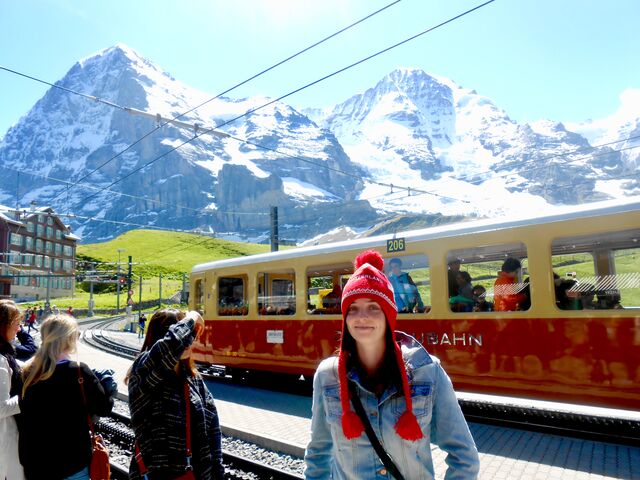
427,132
457,151
223,184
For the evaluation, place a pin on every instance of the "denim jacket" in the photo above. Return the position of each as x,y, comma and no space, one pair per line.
330,455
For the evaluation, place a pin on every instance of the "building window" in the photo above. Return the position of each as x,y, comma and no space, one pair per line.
48,247
49,220
49,232
16,239
28,243
38,245
47,262
41,218
488,278
600,271
58,249
232,296
68,251
39,230
31,227
15,257
276,293
59,234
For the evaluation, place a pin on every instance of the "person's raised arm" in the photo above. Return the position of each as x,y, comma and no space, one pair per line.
155,365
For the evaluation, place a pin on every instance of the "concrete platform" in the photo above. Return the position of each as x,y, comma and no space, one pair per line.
281,421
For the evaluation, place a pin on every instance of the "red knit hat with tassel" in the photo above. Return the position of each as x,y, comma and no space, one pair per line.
369,281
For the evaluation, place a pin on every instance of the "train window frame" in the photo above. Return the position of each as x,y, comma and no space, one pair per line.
241,310
199,295
328,299
599,291
284,275
410,263
494,253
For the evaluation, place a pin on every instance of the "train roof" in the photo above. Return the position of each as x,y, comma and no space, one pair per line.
570,212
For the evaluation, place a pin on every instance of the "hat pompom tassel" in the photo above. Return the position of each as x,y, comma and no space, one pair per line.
408,427
351,425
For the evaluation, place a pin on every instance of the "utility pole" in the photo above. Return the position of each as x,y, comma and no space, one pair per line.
120,250
48,302
93,269
183,296
140,298
274,229
160,295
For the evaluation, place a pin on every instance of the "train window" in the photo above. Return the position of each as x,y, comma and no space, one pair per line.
599,271
488,278
324,288
232,296
199,295
409,276
276,293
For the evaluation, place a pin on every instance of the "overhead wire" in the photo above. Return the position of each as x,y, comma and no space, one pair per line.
587,180
476,180
253,77
129,195
251,111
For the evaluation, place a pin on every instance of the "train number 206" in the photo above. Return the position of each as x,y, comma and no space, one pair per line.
395,245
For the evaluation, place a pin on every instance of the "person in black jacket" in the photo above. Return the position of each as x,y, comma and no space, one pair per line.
54,441
157,401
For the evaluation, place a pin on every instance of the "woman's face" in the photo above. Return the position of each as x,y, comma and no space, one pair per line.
13,328
366,322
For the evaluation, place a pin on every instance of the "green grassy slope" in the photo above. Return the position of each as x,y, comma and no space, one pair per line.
168,253
154,252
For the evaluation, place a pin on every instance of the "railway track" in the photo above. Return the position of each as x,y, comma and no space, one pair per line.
577,425
117,431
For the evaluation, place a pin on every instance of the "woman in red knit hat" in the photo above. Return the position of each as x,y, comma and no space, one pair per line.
402,393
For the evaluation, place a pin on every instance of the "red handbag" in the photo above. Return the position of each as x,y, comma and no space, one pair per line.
99,468
188,474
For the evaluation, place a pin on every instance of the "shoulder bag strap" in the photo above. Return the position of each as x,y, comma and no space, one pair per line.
377,446
141,466
84,400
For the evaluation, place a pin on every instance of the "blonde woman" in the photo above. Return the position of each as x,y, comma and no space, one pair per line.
54,439
10,385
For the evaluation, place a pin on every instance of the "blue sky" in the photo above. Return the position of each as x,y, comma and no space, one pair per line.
567,60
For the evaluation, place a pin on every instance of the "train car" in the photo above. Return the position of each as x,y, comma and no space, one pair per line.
570,330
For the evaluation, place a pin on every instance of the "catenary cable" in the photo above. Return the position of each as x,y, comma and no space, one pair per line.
281,62
210,130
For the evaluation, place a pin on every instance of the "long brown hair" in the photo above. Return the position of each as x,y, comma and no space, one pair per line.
9,311
157,328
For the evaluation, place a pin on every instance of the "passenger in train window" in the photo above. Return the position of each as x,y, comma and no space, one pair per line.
565,301
454,268
463,301
507,292
405,290
609,300
480,303
410,410
163,384
331,300
463,279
